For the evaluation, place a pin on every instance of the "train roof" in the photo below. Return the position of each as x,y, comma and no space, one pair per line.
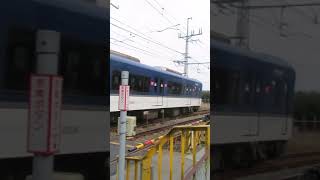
250,54
143,66
90,9
76,20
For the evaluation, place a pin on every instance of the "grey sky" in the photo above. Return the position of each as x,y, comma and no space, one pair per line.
147,19
301,47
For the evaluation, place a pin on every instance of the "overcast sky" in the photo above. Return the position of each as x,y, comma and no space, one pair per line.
301,48
146,17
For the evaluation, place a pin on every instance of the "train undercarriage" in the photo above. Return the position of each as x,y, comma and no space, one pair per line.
146,115
242,155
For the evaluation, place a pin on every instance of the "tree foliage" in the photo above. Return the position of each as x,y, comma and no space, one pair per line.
205,95
307,105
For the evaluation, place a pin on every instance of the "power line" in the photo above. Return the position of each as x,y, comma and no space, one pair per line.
121,34
126,47
164,53
155,53
302,13
201,63
158,4
155,42
134,29
133,46
161,13
282,32
254,7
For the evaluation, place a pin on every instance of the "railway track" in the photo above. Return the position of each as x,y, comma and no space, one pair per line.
165,127
285,162
160,121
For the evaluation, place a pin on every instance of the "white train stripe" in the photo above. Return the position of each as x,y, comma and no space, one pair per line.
83,132
236,129
155,102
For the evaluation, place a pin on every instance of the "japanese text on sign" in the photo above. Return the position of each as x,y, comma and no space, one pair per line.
124,91
44,114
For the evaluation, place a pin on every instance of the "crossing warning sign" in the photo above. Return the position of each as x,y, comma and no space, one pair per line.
124,91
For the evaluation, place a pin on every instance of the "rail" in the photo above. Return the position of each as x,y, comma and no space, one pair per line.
193,138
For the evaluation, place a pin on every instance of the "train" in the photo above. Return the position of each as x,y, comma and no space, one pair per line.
153,89
252,104
83,63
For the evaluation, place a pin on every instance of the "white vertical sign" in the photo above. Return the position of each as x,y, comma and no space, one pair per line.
44,114
55,113
124,91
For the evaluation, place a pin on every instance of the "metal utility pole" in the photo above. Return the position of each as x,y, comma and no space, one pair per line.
187,38
123,107
243,25
243,14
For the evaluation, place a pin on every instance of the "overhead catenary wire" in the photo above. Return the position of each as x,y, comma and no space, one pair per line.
147,39
142,37
133,47
264,22
202,63
162,14
139,37
130,37
151,53
128,47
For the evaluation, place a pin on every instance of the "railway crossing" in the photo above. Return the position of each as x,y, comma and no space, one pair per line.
185,146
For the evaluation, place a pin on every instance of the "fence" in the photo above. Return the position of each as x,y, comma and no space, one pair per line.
191,140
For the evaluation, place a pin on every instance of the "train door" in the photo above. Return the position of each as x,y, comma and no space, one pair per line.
257,101
159,91
191,94
188,90
160,97
250,92
285,109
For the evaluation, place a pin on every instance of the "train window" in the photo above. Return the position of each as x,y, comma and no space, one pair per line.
249,88
280,95
139,83
143,83
83,67
115,82
192,90
146,81
132,82
99,74
258,87
161,85
20,55
174,88
155,85
226,86
72,72
273,86
189,90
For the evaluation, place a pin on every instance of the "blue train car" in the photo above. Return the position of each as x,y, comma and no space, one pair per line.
252,103
153,89
82,62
